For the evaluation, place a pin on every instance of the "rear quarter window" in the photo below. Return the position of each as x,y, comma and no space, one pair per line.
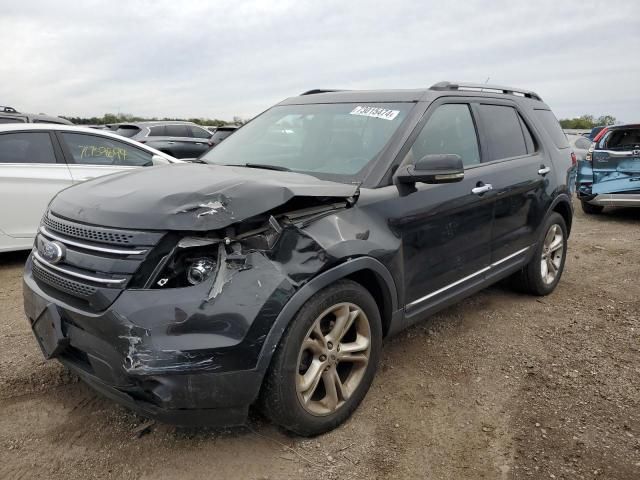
550,124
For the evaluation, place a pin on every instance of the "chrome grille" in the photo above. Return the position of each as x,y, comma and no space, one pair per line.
71,287
96,263
85,233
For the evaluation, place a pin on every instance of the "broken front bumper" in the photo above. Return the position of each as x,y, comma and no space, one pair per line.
616,200
177,354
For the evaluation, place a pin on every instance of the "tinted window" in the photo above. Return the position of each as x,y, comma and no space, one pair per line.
28,147
550,124
11,120
94,150
621,139
198,132
177,131
528,138
503,132
449,130
127,130
158,131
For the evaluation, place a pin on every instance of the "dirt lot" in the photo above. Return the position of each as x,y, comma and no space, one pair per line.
500,386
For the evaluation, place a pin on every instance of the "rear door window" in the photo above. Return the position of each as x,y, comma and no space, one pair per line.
177,131
198,132
157,131
95,150
26,147
550,124
502,128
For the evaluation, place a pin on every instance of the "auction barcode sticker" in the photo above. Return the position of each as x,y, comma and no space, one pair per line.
375,112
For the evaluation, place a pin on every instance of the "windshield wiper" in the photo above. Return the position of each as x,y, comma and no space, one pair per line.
261,165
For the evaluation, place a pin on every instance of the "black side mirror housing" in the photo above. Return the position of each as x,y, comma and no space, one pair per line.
438,168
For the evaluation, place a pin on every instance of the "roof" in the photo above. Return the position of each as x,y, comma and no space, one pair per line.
411,95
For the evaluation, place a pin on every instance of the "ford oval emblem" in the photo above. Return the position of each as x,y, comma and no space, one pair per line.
52,252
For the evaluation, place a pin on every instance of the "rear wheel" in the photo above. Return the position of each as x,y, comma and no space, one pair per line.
541,275
325,362
591,209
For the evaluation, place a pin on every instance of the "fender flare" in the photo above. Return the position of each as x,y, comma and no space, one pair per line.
562,198
319,282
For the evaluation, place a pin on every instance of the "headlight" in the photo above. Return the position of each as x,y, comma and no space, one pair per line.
199,270
191,262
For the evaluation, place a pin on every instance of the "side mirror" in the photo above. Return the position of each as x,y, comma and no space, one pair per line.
438,168
158,160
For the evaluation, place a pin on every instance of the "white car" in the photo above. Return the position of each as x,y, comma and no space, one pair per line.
39,160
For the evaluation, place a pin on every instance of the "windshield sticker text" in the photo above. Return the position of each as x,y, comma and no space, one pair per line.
88,151
375,112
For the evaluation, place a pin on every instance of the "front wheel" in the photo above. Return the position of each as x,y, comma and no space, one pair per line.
541,275
326,360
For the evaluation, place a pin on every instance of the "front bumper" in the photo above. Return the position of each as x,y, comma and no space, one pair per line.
616,200
176,355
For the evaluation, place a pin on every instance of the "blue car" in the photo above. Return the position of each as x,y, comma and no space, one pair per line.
610,174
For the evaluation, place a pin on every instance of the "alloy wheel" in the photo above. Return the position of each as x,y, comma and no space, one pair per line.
333,358
552,250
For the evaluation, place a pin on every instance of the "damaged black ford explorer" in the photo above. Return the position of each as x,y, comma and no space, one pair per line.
269,273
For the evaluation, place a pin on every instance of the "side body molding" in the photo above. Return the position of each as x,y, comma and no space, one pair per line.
315,285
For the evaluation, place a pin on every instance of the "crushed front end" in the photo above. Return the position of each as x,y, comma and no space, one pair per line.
171,324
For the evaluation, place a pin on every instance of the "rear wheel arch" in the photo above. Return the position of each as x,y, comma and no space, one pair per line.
563,206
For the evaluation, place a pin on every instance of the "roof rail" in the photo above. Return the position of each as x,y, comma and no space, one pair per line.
318,90
8,109
481,87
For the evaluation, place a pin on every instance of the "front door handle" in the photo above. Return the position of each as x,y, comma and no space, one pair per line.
482,188
543,170
171,143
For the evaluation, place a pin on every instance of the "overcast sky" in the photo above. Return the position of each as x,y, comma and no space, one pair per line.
220,58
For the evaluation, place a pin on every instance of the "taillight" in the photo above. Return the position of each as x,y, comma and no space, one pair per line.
210,143
600,134
589,156
574,159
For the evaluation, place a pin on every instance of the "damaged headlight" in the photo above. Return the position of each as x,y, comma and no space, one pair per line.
192,261
199,270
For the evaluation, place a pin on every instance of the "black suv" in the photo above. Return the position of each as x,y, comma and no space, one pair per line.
271,274
178,139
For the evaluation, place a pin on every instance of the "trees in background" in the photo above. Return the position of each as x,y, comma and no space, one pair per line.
587,121
127,117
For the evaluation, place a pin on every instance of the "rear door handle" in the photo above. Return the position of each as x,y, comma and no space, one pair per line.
480,189
171,143
543,170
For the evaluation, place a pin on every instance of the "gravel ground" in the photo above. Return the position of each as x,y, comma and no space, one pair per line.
500,386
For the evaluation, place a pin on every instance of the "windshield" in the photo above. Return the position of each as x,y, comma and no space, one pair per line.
336,141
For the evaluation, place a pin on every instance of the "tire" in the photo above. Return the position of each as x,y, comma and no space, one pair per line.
309,411
591,209
532,279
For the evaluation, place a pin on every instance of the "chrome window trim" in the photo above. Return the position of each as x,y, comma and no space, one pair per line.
117,251
43,263
468,277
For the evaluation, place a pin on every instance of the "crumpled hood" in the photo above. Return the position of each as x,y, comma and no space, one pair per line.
187,196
